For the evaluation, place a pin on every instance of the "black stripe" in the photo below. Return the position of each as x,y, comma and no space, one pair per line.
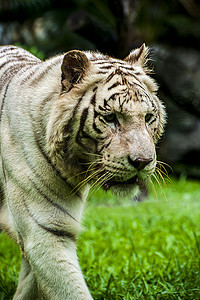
110,77
81,126
152,121
108,144
82,134
96,128
62,233
3,100
5,49
121,104
106,67
18,57
113,96
106,105
93,100
102,108
5,63
96,113
124,75
5,92
9,72
30,74
56,205
104,146
100,150
114,85
6,79
15,57
122,67
110,60
102,72
137,95
16,52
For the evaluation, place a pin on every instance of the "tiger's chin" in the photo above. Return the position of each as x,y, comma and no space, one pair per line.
128,189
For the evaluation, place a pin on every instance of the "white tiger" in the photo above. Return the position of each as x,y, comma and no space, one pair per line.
76,120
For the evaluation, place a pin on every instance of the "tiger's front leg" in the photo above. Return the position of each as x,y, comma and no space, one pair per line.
47,237
55,265
27,286
51,270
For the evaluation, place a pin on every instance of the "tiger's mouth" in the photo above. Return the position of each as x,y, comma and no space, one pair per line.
123,184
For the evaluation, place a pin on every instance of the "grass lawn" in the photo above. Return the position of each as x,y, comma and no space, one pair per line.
128,250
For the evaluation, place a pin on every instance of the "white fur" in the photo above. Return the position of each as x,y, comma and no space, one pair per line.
41,195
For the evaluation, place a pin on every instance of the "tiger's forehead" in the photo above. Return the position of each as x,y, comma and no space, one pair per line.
120,97
120,86
118,72
117,84
124,96
111,64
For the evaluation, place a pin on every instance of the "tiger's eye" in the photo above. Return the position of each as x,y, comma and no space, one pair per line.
148,117
111,118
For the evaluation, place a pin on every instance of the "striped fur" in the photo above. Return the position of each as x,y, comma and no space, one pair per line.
74,122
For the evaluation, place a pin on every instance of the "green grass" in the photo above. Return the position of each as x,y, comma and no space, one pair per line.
127,250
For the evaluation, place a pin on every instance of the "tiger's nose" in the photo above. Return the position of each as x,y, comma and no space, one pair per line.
139,163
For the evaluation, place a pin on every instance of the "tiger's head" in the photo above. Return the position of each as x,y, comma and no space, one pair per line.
106,122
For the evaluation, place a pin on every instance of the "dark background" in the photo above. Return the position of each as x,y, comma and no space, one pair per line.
171,28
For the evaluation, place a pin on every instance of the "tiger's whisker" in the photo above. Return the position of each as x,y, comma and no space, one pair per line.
99,184
161,176
153,186
88,169
84,181
162,164
81,173
157,180
162,170
161,173
98,180
94,154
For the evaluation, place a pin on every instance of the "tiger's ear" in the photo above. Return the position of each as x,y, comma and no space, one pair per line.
138,56
74,66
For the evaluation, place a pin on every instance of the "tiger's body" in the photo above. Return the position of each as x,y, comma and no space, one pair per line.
66,124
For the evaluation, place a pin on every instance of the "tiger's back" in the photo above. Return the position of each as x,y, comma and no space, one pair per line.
69,123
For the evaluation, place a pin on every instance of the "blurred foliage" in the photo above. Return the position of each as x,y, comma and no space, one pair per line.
34,50
112,26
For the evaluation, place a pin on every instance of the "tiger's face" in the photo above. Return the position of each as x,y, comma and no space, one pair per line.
115,124
126,144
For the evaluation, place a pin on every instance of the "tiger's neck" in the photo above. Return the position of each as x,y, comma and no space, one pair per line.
63,197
